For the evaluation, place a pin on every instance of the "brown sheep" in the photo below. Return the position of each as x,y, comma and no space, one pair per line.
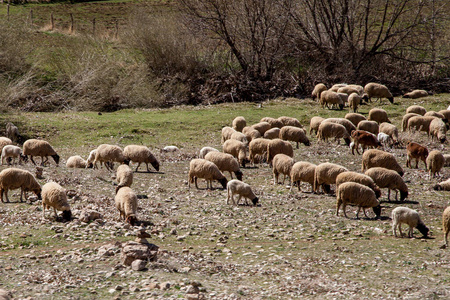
417,152
365,139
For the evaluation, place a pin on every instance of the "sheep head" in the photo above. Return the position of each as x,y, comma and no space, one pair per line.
67,215
347,141
56,158
403,195
437,187
391,99
377,211
131,219
223,182
238,175
255,201
155,165
423,229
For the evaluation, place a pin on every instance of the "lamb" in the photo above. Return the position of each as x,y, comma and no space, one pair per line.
347,90
378,158
332,98
337,86
355,118
282,164
442,186
294,134
91,158
272,133
242,189
257,147
124,176
332,130
239,136
353,102
417,152
170,149
12,132
262,127
13,178
385,139
314,124
206,150
365,139
370,126
325,175
421,123
12,152
237,149
226,133
302,171
109,154
277,146
389,179
416,94
239,123
318,89
410,217
33,147
432,113
438,130
126,203
344,122
435,162
289,121
359,178
405,120
359,195
225,162
273,122
4,141
76,162
380,91
201,168
251,133
389,129
54,196
417,109
446,224
378,115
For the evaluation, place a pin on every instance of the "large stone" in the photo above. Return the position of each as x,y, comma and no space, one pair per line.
138,265
88,215
133,250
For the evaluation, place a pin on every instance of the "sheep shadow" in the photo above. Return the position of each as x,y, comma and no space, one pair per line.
144,223
399,201
149,172
142,196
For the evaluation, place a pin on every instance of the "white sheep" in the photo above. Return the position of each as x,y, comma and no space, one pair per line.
302,171
377,90
54,196
12,131
378,158
433,113
91,158
344,97
239,136
13,178
416,94
337,86
347,90
76,161
141,154
332,130
277,146
445,113
420,123
370,126
273,133
289,121
359,178
237,187
438,130
353,102
435,162
206,150
170,149
446,224
378,115
237,149
257,147
262,127
442,186
239,123
332,98
33,147
325,175
344,122
273,122
314,124
109,154
126,203
355,118
294,134
225,162
124,176
359,195
385,178
417,109
201,168
282,164
357,87
4,141
226,133
385,139
405,120
410,217
251,133
390,130
318,89
12,152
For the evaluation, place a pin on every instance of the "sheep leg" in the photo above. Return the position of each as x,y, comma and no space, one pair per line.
417,163
1,194
195,180
148,170
344,206
400,229
284,178
446,238
231,174
56,214
43,211
411,232
275,177
6,195
394,229
364,210
396,195
239,200
297,145
138,167
44,159
389,194
32,160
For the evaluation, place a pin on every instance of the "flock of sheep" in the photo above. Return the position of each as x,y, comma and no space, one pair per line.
269,141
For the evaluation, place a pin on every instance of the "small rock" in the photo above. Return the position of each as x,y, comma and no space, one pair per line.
119,288
154,285
192,290
165,286
138,265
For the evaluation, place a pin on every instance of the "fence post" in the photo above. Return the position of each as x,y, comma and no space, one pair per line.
71,23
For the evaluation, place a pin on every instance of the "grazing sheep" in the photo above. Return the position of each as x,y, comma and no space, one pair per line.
318,89
251,133
257,147
355,118
358,88
432,113
289,121
13,152
417,152
389,179
273,133
109,154
314,124
126,203
33,147
370,126
378,158
337,86
377,90
54,196
442,186
124,176
242,189
237,149
359,195
416,94
282,164
76,162
4,141
226,133
365,139
389,129
170,149
385,139
344,122
420,123
262,127
378,115
332,98
273,122
325,175
347,90
302,171
201,168
225,162
331,130
438,130
344,97
353,102
277,146
435,162
410,217
206,150
416,109
239,136
294,134
405,120
445,113
13,178
239,123
447,160
12,132
446,224
359,178
91,158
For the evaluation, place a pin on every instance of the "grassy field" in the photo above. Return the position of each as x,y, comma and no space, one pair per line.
291,246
